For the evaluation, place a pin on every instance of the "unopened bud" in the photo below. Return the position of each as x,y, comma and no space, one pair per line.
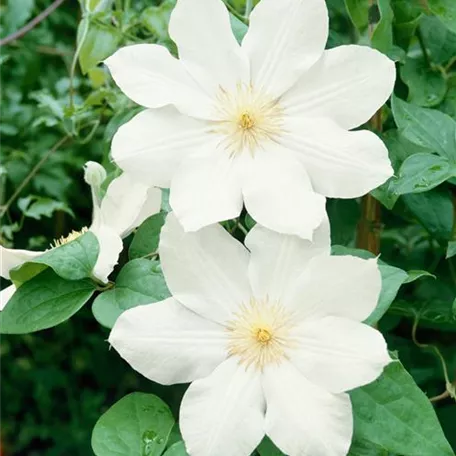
94,174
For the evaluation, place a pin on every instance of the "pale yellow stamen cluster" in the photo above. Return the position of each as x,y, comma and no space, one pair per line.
248,119
260,333
71,237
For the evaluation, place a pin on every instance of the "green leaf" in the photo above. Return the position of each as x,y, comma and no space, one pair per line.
238,27
43,302
342,250
97,42
382,36
137,425
178,449
393,413
392,279
406,11
48,103
426,127
445,10
139,282
361,447
399,149
427,87
440,41
17,13
415,274
39,206
358,12
421,173
156,19
363,12
147,236
431,312
448,105
344,216
451,249
175,436
95,6
434,210
386,194
267,448
407,15
72,261
118,119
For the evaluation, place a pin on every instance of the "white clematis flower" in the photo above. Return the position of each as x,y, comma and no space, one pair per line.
124,207
264,123
271,339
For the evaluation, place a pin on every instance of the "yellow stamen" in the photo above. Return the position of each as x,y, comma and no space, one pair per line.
246,121
263,335
260,333
62,240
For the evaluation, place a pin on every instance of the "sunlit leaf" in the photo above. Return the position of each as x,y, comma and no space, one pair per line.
139,424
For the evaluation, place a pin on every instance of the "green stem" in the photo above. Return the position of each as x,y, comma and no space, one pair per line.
83,37
436,351
451,62
103,287
422,44
35,169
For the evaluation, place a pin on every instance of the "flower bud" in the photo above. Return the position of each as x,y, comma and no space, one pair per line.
94,174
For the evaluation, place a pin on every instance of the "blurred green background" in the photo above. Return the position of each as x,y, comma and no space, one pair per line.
56,383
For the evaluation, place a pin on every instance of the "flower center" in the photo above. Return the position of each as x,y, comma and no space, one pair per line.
62,240
260,333
263,335
247,119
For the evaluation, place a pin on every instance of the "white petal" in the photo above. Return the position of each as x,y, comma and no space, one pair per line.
110,245
223,414
206,190
127,203
344,286
340,163
11,258
348,85
5,295
122,204
278,194
207,47
150,207
303,419
168,343
284,39
206,271
152,144
338,354
152,77
277,260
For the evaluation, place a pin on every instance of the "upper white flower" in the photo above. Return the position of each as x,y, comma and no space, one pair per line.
270,338
264,123
125,205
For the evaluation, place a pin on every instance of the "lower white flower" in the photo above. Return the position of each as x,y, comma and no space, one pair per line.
271,337
125,205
